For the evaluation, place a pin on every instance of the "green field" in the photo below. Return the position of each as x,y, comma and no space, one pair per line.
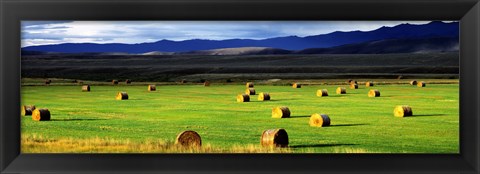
149,121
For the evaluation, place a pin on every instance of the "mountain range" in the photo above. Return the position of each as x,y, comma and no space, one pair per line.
435,36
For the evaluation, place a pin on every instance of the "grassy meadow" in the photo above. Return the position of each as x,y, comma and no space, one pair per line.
148,122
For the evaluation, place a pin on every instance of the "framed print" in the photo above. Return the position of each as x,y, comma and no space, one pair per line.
239,86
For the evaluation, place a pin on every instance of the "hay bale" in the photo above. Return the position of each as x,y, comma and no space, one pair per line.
41,115
188,139
353,86
122,96
152,88
280,112
274,138
319,120
373,93
421,84
27,109
350,81
243,98
250,91
249,85
128,81
263,96
322,92
369,84
296,85
341,90
86,88
413,82
402,111
114,82
206,83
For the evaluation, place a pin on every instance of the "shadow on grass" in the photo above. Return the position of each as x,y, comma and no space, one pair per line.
77,119
427,115
340,125
303,116
320,145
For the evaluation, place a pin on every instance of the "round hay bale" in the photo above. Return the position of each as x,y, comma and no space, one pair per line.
402,111
280,112
27,110
41,115
263,96
353,86
341,90
373,93
352,81
421,84
296,85
250,91
114,82
322,92
122,96
413,82
152,88
128,81
243,98
319,120
206,83
188,139
369,84
86,88
274,138
249,85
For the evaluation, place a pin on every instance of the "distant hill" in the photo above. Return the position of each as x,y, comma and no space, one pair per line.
423,45
402,31
238,51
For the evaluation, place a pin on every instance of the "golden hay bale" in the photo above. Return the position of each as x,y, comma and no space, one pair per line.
250,91
350,81
296,85
122,96
274,138
341,90
188,139
421,84
27,110
86,88
41,115
322,92
368,84
115,82
243,98
249,85
128,81
319,120
152,88
263,96
373,93
402,111
353,86
206,83
413,82
280,112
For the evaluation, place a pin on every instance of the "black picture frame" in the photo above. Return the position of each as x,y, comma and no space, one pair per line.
14,11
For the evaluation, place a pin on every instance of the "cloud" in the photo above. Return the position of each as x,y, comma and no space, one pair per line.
56,32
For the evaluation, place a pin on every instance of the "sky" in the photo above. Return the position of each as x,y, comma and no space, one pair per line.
57,32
